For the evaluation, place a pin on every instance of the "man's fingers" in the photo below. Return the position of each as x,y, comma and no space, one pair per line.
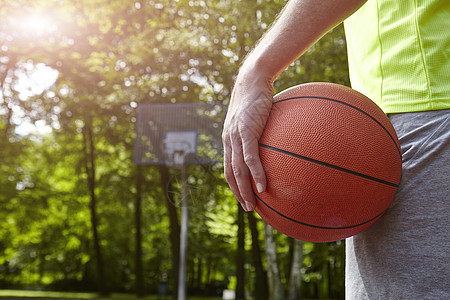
228,172
251,157
241,173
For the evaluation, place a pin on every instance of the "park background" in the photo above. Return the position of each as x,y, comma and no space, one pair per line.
76,213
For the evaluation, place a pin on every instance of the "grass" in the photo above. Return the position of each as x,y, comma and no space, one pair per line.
41,295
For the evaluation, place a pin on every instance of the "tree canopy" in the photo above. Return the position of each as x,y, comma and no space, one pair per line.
72,74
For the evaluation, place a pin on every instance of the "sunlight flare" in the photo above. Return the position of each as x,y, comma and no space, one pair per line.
35,23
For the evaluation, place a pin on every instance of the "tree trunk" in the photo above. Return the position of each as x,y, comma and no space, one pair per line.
7,128
211,276
295,276
261,291
276,290
240,255
12,61
89,162
174,224
138,237
208,270
324,283
198,282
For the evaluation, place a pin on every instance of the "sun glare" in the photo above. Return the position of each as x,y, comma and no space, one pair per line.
35,23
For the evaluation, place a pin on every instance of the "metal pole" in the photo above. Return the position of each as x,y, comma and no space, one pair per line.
183,235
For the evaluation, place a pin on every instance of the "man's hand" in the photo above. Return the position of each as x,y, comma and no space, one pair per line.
250,105
300,25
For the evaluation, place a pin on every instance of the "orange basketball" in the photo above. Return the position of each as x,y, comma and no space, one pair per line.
332,160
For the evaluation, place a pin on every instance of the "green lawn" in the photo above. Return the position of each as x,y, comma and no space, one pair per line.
28,295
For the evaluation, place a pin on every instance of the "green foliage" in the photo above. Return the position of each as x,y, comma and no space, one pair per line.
111,56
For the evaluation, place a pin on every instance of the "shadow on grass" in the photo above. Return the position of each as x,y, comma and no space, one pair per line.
41,295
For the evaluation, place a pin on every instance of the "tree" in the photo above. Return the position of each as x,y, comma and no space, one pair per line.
260,285
276,289
295,277
240,255
138,239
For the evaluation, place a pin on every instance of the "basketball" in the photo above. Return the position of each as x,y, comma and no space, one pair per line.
332,161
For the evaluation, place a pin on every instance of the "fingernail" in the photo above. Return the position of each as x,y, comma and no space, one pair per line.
259,187
249,206
244,206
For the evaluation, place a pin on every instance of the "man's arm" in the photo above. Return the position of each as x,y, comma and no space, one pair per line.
298,27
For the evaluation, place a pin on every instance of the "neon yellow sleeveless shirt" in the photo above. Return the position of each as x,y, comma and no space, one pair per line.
399,53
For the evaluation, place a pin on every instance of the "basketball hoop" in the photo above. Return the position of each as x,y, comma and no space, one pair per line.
177,145
175,152
179,135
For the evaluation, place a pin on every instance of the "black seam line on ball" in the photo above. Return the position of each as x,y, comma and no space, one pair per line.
349,105
329,165
316,226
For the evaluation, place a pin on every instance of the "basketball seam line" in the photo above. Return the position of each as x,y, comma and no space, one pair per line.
349,105
316,226
309,159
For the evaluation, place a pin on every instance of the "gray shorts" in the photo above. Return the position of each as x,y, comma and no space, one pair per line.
406,253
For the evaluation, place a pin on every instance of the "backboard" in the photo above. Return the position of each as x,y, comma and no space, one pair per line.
165,130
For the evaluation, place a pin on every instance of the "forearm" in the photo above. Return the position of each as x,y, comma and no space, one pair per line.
298,27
